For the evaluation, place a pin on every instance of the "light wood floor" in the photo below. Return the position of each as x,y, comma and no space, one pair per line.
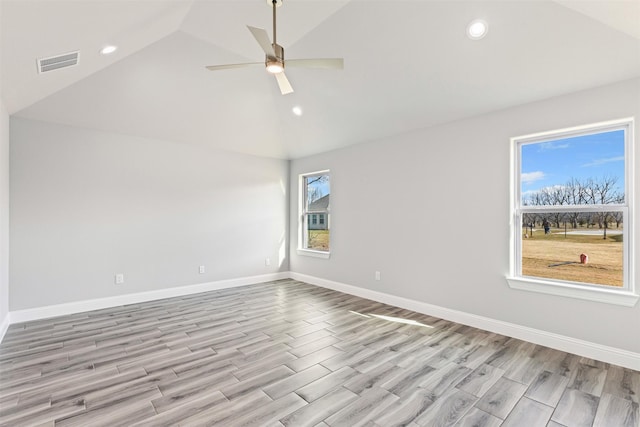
292,354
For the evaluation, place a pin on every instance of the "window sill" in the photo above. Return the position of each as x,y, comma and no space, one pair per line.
315,254
624,298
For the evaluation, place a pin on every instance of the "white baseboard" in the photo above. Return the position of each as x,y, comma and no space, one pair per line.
4,325
100,303
587,349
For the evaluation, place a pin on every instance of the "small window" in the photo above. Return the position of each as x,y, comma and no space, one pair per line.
314,213
571,212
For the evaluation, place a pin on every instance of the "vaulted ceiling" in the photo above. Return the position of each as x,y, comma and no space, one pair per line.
408,65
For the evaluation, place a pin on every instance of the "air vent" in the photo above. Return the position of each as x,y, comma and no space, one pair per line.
59,61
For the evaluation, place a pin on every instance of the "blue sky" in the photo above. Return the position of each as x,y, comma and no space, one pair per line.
546,164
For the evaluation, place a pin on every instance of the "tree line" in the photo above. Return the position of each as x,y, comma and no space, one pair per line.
590,191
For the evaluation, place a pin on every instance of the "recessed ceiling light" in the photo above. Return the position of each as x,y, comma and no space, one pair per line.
477,29
297,110
108,49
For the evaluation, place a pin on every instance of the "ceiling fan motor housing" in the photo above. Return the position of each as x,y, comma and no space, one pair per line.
278,59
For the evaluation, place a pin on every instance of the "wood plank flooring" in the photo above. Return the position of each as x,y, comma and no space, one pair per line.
286,353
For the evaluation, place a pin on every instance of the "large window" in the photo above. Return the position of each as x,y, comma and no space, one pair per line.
572,212
314,214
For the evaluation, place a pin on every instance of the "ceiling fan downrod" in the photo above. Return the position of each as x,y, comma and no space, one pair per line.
275,64
274,4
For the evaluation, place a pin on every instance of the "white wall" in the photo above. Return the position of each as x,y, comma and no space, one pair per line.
430,211
4,217
86,205
4,211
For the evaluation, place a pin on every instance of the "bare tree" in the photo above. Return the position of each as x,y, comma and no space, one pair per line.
556,195
314,192
574,192
602,192
590,191
618,216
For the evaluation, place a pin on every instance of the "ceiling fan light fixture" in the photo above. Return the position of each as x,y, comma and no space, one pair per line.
275,67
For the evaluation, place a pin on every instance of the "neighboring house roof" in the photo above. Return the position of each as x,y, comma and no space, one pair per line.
322,204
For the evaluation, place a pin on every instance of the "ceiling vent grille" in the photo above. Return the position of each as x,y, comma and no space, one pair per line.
59,61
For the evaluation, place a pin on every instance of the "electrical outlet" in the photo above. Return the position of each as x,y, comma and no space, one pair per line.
377,275
201,269
267,262
119,279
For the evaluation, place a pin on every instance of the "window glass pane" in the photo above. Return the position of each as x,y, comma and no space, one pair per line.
579,170
316,199
582,247
317,191
318,239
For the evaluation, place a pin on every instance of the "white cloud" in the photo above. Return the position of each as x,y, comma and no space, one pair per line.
544,146
599,162
529,177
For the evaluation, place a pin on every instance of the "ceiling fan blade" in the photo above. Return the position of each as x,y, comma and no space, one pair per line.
229,66
333,63
283,82
262,38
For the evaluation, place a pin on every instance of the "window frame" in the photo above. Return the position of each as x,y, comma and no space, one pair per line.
626,295
304,216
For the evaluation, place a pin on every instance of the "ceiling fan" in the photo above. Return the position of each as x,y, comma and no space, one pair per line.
274,60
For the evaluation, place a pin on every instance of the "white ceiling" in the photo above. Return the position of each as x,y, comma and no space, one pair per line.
408,65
